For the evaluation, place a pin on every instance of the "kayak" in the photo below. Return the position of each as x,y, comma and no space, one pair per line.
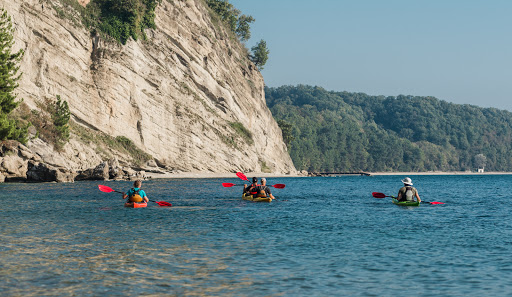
255,198
135,205
406,203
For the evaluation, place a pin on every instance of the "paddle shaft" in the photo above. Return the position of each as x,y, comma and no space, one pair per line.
277,186
382,195
109,190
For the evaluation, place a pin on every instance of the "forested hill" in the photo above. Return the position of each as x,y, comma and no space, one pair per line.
342,131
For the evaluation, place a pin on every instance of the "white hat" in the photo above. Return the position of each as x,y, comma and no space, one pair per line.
407,181
263,179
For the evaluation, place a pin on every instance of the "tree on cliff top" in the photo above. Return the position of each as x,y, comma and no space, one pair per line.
9,67
122,19
239,24
260,54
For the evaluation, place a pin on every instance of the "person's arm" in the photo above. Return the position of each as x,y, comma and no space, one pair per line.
124,195
399,196
268,193
145,197
418,196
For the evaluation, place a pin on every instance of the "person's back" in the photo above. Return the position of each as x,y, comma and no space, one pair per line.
263,190
252,188
408,192
136,194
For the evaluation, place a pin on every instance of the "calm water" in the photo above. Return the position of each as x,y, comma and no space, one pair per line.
324,236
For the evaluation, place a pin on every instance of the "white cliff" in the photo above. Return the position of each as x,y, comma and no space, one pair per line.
179,95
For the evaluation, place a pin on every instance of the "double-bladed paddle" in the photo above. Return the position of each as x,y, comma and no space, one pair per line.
108,190
382,195
277,186
243,177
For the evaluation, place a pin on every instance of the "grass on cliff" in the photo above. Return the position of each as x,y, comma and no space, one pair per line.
107,145
264,167
50,120
242,132
117,19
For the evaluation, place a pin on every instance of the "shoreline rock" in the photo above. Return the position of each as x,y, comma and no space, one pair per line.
19,164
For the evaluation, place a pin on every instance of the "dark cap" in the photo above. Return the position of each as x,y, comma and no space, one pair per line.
254,179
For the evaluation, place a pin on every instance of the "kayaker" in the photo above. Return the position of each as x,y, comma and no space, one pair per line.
408,192
264,190
136,194
252,187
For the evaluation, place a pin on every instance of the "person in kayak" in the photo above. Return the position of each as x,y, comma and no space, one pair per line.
408,192
252,187
263,190
136,194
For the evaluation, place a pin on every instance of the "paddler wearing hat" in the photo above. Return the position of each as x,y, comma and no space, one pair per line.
408,192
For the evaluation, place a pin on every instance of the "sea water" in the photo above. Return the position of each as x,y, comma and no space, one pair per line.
322,236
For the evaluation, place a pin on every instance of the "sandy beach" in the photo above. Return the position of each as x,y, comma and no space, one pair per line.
217,175
261,174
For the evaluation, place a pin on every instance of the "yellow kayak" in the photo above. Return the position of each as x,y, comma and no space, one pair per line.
255,198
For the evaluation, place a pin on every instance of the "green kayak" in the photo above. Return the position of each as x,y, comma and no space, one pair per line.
406,203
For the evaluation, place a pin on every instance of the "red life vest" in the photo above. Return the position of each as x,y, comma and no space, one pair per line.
252,189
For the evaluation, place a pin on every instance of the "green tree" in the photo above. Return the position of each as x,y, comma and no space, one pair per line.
354,131
60,117
480,160
9,67
286,129
122,19
227,12
243,29
260,54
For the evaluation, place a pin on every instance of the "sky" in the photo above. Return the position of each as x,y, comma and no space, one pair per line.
459,51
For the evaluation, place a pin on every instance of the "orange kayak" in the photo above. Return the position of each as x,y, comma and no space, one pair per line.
135,205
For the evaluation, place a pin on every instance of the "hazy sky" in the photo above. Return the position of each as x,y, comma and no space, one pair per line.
455,50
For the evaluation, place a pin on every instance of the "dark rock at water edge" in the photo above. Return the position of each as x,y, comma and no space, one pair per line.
41,172
19,164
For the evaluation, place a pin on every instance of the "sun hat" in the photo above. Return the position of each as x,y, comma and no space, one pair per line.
407,181
263,179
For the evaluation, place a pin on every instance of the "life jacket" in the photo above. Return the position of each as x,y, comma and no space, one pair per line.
135,196
408,195
261,191
253,190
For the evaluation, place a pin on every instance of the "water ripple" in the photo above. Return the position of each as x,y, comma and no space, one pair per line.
322,237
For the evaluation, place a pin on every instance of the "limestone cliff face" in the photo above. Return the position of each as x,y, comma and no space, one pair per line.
181,96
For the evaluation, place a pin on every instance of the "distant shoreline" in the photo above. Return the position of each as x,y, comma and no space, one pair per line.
441,173
273,175
217,175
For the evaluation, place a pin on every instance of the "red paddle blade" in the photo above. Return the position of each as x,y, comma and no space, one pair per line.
378,195
241,176
163,203
227,185
436,202
279,186
105,189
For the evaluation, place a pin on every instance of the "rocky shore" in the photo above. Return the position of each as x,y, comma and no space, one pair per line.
20,164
